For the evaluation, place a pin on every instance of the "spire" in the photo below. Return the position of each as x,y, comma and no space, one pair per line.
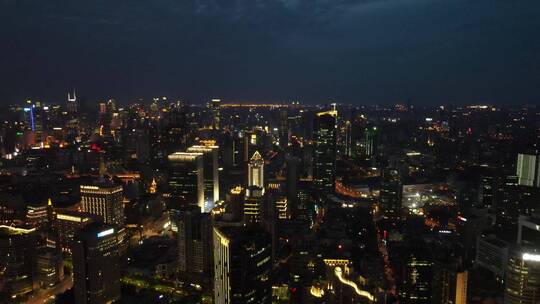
256,156
74,98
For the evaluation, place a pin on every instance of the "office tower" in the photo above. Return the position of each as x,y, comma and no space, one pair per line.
50,268
324,139
17,261
282,208
195,258
492,254
417,275
104,200
487,189
390,196
508,206
283,129
522,283
234,203
256,171
253,208
370,142
71,105
216,114
242,265
66,225
96,273
529,231
37,216
186,179
348,139
211,173
528,169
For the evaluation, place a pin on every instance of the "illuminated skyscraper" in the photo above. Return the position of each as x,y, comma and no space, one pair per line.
256,171
17,261
104,200
324,139
254,201
211,173
522,284
216,114
186,179
528,169
72,105
348,139
96,273
391,193
242,265
195,246
370,142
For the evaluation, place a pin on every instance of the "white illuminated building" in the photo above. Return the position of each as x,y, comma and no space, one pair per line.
256,171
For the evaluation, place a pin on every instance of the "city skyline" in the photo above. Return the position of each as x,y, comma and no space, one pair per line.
270,152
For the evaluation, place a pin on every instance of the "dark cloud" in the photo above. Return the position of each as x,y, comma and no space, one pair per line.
314,50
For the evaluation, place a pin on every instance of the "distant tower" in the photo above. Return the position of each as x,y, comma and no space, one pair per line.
72,103
256,171
216,114
324,138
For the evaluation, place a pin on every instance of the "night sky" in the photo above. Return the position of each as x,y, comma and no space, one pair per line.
314,51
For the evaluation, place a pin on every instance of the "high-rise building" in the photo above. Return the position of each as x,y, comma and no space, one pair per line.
391,193
17,261
522,283
492,254
370,141
283,129
186,179
211,173
37,216
66,225
96,273
528,170
417,279
242,265
50,268
253,208
508,206
529,231
72,105
324,159
216,114
256,171
104,200
195,247
348,142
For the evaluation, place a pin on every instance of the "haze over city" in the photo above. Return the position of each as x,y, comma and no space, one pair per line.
313,51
